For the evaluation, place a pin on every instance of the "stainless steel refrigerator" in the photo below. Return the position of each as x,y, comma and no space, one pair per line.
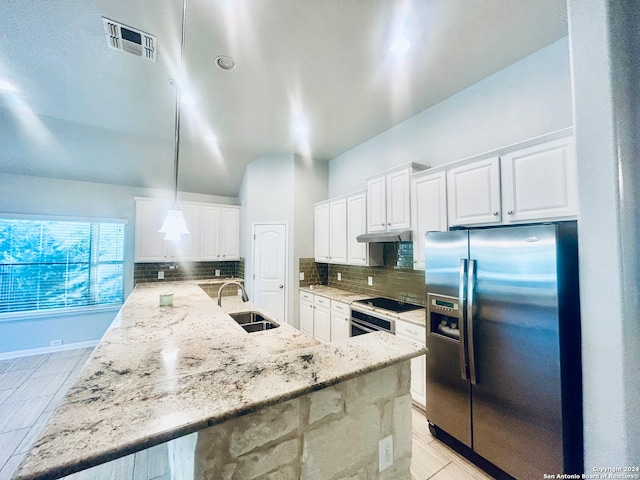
503,339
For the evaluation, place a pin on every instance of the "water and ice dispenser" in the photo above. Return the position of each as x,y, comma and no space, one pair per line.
444,315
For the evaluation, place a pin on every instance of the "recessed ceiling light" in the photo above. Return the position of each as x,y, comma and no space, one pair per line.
225,63
400,45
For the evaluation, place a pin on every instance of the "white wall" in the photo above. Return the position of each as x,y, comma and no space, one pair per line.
282,188
20,194
527,99
604,48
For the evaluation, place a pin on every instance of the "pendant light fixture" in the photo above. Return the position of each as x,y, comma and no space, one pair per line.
174,225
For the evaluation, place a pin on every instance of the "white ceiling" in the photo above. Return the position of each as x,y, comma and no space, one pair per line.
85,112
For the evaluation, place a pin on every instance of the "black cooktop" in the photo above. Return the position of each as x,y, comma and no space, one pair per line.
389,304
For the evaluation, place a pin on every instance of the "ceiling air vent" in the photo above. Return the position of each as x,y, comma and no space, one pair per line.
127,39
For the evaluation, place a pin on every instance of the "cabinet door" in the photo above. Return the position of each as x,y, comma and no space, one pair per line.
230,233
321,324
376,205
398,200
150,245
356,225
321,237
340,313
416,334
306,317
540,182
428,210
473,193
186,249
210,248
338,231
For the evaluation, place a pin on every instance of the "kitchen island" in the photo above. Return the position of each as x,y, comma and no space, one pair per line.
231,404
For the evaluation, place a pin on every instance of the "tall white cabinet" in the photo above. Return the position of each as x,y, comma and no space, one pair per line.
428,209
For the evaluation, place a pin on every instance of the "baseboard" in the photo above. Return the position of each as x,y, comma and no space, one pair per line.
39,351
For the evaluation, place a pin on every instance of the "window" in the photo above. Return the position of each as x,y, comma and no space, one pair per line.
49,264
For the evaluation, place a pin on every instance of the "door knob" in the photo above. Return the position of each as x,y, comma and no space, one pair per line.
510,212
495,214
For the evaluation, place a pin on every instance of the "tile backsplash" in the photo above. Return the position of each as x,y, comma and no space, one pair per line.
395,279
177,271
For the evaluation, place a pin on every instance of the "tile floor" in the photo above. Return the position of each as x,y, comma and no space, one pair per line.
31,388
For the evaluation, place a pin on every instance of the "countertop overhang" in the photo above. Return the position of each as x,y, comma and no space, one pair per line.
163,372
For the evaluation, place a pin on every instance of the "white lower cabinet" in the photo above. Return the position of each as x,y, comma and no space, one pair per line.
322,319
306,313
416,334
340,314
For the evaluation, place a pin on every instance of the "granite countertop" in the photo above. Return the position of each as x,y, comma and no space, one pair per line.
163,372
417,317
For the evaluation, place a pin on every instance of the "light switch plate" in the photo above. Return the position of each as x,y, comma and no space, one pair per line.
301,275
339,277
160,275
370,281
217,273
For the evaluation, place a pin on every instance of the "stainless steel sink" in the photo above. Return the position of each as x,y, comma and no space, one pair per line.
259,326
253,321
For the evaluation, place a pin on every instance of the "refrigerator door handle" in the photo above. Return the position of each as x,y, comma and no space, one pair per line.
471,281
462,282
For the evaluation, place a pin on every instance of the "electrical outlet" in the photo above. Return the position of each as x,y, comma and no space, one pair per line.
339,277
385,453
370,281
160,275
301,275
217,273
56,343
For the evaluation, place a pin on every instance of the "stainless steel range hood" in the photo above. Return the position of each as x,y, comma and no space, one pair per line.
385,237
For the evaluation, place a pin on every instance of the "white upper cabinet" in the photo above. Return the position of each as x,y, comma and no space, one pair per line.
399,200
220,237
428,210
356,225
377,205
150,245
212,228
389,199
321,232
534,183
338,231
540,182
230,233
338,222
473,193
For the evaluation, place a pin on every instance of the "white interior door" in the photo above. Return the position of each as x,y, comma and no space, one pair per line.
270,267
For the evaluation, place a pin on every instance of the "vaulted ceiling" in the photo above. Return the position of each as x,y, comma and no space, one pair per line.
314,77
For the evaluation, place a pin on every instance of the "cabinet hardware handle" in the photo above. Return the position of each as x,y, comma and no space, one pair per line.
281,286
389,223
510,212
495,214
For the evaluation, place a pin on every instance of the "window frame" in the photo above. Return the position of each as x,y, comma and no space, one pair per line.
73,310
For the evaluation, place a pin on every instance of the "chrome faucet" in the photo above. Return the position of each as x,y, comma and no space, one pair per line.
245,297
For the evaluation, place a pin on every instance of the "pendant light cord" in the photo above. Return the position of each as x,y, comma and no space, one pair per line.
177,119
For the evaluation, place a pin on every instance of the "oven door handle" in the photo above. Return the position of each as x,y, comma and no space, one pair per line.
366,327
